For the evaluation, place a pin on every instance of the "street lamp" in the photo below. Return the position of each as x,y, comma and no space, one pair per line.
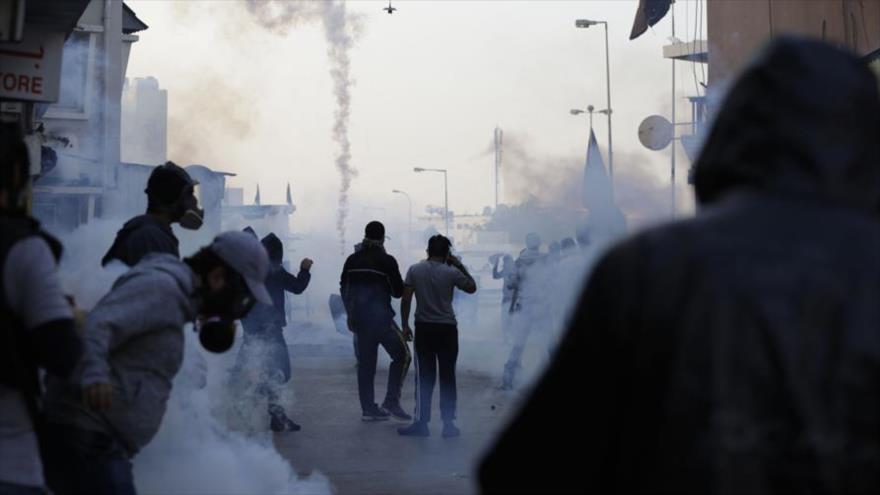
585,23
590,109
408,218
445,193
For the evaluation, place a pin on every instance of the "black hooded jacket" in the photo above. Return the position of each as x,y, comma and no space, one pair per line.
278,281
370,278
738,351
140,236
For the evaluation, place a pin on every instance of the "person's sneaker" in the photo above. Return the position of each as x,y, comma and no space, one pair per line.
375,414
396,411
450,430
280,422
415,430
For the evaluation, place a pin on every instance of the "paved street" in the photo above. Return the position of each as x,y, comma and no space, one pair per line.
371,458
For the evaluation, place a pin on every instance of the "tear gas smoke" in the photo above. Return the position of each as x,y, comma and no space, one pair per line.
212,440
209,441
557,180
228,110
280,16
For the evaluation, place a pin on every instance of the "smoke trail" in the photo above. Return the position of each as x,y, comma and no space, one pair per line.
339,42
280,16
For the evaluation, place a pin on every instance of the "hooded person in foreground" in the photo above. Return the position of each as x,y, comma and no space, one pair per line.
115,400
737,351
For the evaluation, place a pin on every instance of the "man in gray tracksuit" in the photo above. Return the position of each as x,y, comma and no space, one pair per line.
114,403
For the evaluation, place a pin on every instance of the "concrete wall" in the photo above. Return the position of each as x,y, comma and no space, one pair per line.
737,28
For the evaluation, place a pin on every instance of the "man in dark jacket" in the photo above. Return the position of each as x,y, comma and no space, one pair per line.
264,348
170,199
738,351
370,278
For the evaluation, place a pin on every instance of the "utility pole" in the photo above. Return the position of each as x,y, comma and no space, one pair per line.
672,169
498,136
608,101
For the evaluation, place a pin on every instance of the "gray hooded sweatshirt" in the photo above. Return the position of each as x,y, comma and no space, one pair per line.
133,340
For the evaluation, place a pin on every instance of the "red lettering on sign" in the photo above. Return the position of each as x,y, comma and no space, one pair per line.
21,83
9,82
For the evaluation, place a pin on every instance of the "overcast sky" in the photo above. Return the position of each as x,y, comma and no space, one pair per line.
431,83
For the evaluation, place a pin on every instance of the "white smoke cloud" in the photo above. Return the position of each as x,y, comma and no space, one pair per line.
212,440
339,29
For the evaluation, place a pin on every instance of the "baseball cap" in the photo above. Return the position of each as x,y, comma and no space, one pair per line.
244,254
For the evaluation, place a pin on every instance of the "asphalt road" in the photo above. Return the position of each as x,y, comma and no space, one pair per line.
371,458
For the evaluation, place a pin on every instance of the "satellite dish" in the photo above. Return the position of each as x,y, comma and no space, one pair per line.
655,132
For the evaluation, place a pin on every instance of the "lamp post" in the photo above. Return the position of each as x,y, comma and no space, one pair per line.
408,217
445,193
585,23
590,109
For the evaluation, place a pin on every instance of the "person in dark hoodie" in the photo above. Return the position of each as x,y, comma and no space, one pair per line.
170,199
370,278
737,351
264,348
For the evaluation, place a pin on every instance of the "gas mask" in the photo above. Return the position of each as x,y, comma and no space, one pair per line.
216,334
220,309
192,216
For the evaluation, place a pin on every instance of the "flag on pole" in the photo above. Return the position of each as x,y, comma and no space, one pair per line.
257,196
648,13
598,195
289,197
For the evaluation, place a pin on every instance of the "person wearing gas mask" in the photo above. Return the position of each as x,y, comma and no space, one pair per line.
37,330
370,278
264,349
134,344
170,199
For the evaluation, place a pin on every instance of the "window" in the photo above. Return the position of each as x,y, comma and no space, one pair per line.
77,64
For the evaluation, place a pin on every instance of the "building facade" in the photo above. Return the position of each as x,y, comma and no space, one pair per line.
80,132
737,28
144,122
